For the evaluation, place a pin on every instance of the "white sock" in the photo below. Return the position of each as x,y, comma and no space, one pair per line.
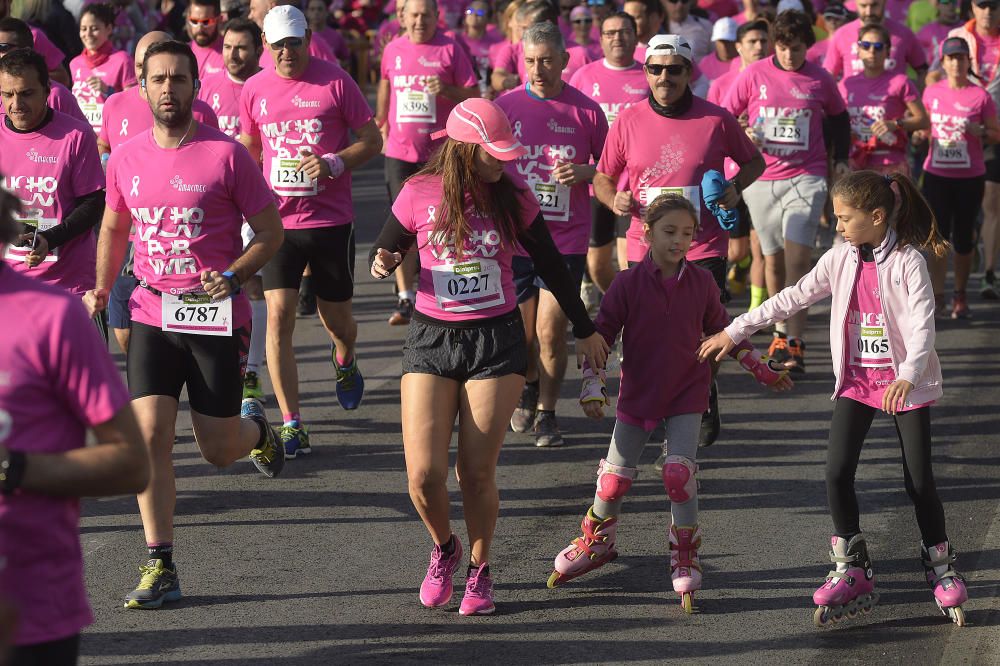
407,295
781,327
258,335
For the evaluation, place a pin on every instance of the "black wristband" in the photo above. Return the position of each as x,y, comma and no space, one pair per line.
12,472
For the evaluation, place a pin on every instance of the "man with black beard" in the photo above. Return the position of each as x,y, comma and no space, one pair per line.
204,18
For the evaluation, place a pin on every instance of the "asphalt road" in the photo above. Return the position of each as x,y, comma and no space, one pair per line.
322,565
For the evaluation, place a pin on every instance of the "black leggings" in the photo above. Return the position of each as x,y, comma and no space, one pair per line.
851,421
956,203
62,652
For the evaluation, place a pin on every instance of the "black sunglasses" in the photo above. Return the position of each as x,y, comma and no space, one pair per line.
587,20
870,46
988,5
286,43
672,70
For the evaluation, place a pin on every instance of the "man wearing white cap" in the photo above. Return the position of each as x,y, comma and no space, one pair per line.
424,74
259,9
695,137
842,59
562,129
724,58
297,117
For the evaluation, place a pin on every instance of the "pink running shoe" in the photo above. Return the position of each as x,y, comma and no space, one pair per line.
437,587
478,598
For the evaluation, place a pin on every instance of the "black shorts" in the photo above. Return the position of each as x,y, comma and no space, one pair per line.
992,159
329,251
527,281
956,203
494,347
60,652
396,173
605,226
212,366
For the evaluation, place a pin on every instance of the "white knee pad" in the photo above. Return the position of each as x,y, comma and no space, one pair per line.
679,478
613,481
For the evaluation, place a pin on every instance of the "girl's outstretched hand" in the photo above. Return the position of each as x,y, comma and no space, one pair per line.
594,350
715,347
894,398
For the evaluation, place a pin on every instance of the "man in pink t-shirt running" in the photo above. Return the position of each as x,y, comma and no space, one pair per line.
190,321
563,131
59,383
842,58
203,22
424,74
296,118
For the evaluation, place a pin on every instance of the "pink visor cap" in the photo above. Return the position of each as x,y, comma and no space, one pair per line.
483,123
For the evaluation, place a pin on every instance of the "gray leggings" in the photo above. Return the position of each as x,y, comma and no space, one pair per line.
627,443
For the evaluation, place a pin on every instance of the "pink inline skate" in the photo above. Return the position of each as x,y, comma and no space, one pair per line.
949,587
685,569
592,550
850,587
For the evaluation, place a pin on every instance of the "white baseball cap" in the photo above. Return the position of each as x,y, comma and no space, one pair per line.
284,21
724,30
790,5
669,45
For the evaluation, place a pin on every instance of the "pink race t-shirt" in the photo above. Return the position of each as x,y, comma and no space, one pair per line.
930,37
48,170
690,144
127,115
187,217
870,100
413,112
118,72
53,55
336,42
713,68
316,112
480,50
787,110
866,330
988,49
817,52
842,58
613,88
480,284
209,58
569,127
58,381
222,94
955,153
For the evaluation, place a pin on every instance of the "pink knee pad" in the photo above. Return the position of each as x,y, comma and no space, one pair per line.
614,481
678,478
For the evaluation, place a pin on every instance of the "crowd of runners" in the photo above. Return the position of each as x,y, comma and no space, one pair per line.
177,176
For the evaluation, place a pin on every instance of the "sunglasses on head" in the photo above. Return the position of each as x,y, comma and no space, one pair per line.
287,43
207,21
672,70
475,12
870,46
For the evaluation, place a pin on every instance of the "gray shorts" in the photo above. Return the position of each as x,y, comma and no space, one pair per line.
787,209
495,348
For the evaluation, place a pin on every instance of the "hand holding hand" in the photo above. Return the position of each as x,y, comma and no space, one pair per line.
385,262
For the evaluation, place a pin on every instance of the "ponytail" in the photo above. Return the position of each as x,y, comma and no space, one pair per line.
905,207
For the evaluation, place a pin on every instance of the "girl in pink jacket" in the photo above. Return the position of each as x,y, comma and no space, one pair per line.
882,344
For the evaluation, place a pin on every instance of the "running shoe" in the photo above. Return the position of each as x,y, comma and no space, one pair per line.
546,430
268,456
779,348
478,599
402,314
157,584
796,356
711,422
737,278
960,306
350,383
591,297
251,387
307,300
524,415
294,440
988,288
437,587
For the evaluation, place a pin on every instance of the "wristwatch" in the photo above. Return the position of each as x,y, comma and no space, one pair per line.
234,281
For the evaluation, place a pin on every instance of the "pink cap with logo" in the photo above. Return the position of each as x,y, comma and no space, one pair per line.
483,123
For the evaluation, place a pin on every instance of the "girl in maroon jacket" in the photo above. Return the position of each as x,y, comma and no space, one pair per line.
662,307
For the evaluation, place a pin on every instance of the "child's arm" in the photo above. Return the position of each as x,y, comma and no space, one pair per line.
919,342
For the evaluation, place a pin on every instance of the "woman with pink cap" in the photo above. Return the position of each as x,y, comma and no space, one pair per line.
465,353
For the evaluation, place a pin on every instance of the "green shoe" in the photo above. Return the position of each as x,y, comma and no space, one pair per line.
158,584
251,387
269,457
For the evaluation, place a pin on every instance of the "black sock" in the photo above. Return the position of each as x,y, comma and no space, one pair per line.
448,547
550,412
263,426
485,569
163,551
534,383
